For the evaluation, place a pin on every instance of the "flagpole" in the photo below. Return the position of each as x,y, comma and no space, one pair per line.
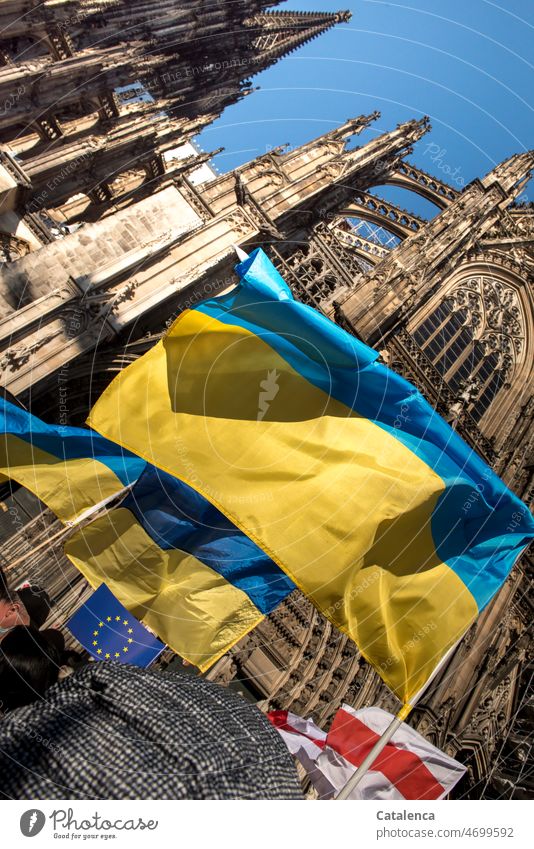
386,736
73,524
94,508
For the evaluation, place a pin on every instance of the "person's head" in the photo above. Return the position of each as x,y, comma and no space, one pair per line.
12,610
29,665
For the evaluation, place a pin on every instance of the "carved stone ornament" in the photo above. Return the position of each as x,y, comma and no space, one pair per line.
12,247
491,308
239,223
100,305
16,357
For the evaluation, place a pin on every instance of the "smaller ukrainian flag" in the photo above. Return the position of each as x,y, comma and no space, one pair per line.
108,631
180,566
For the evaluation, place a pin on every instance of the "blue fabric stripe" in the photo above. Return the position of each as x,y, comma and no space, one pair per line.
479,527
176,516
70,443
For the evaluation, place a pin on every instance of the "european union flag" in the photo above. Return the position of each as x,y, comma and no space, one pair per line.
108,631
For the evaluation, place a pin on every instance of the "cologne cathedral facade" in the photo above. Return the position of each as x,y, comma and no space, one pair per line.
111,222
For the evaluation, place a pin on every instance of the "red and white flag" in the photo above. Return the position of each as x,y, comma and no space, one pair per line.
299,733
408,768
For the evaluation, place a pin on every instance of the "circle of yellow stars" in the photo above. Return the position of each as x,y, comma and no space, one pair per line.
96,632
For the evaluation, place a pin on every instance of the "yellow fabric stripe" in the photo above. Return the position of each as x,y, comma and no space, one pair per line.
189,606
335,500
404,624
68,487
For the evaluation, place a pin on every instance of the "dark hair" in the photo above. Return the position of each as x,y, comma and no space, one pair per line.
5,593
29,665
37,603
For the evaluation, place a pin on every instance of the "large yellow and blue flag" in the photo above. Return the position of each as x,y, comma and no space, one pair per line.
334,465
70,469
179,565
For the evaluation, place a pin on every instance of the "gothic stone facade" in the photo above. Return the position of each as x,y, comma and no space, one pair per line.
447,301
96,94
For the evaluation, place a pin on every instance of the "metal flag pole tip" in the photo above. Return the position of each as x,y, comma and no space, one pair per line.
241,255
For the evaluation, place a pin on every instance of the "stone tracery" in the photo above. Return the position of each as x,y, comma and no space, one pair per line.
475,337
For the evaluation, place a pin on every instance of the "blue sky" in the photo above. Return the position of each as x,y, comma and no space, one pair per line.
468,64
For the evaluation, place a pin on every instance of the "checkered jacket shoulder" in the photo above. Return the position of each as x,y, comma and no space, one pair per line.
112,731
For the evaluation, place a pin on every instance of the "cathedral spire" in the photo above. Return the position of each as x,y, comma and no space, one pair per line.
276,34
354,126
215,72
513,174
384,152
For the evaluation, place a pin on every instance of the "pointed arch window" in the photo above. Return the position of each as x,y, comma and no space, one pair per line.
374,233
475,336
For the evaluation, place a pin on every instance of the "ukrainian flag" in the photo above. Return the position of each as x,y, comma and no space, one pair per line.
69,468
175,562
335,466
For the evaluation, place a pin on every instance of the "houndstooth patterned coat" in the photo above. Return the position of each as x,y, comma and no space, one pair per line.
112,731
